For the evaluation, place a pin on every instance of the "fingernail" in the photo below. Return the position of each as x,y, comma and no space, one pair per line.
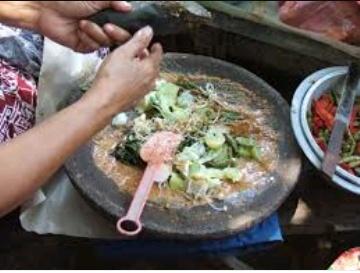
109,27
82,23
126,4
146,31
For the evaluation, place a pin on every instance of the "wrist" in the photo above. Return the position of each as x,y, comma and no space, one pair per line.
96,106
105,97
22,14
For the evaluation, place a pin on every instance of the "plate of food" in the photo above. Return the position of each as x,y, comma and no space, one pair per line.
313,112
236,164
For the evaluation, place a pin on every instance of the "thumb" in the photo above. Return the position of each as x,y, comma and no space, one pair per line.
122,6
139,42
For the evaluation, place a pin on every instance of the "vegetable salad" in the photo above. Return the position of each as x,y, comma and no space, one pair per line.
208,156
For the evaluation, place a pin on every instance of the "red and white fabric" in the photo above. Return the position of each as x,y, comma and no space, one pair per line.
18,96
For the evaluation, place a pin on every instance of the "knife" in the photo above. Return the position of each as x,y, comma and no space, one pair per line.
343,114
165,17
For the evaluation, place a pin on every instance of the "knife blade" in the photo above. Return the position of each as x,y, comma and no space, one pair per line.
350,88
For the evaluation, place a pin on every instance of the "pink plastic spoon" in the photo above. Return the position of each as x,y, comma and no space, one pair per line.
158,152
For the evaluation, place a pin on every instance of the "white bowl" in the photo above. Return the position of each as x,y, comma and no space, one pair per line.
308,91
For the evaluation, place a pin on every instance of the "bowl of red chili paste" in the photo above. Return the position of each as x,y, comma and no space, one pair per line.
312,115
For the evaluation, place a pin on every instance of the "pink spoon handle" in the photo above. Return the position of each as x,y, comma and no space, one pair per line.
130,224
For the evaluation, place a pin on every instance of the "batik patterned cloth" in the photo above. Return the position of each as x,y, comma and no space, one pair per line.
20,61
17,101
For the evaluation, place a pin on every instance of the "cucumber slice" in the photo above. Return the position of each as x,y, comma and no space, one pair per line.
176,182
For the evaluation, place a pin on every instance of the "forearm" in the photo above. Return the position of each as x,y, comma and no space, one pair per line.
29,160
22,14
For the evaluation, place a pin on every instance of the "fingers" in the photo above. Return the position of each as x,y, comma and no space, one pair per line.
144,54
109,34
86,43
139,42
121,6
105,37
152,64
116,34
95,32
156,54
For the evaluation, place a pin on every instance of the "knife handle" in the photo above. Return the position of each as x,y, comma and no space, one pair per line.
147,15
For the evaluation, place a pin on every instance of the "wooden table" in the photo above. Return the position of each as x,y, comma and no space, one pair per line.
319,222
317,206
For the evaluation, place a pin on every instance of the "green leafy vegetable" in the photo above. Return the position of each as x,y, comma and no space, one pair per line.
192,153
349,146
164,101
232,142
176,182
201,117
230,116
232,174
195,170
334,97
324,135
128,151
188,85
222,157
188,141
255,153
215,138
247,148
244,152
246,142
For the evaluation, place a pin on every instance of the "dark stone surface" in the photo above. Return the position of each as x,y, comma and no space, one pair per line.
201,222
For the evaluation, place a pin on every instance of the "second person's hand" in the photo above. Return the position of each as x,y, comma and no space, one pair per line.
65,22
127,74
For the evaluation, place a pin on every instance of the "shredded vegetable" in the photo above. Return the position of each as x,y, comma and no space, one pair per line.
321,121
209,154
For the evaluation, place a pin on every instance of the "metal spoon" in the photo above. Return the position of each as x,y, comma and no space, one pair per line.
158,152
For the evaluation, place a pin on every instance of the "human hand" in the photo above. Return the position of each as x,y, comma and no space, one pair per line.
127,74
65,22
